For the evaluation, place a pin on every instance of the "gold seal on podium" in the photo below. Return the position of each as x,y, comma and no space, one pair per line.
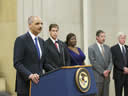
83,80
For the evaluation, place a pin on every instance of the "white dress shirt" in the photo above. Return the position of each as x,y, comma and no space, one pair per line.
33,38
56,43
121,47
99,45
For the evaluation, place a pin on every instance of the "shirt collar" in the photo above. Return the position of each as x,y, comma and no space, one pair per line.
32,35
120,45
99,44
53,39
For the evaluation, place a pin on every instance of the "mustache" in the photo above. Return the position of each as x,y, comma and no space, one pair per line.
40,28
104,40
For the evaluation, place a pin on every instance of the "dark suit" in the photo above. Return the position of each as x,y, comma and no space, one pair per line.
121,79
26,61
54,58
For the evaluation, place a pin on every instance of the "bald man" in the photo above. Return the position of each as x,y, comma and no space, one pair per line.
29,56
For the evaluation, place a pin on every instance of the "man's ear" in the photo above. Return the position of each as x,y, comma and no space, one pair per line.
29,25
96,37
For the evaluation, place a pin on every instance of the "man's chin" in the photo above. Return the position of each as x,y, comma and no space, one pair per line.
54,38
39,32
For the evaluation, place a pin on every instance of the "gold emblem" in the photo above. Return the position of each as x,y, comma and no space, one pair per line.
83,80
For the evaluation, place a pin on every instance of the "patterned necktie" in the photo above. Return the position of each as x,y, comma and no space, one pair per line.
102,50
123,50
37,47
124,55
56,45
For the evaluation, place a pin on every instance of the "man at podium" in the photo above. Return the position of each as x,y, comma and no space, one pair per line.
29,56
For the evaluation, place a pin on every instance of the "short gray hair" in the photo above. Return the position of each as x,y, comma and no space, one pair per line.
120,34
31,18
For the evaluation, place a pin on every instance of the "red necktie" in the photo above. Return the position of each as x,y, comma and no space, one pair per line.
56,45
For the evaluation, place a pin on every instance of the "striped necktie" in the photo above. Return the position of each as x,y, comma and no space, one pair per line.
102,50
124,55
37,47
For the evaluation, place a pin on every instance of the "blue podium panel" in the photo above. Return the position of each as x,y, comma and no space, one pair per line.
61,83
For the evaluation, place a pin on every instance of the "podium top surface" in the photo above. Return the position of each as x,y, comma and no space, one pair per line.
77,66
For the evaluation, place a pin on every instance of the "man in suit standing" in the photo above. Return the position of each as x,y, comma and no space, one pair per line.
28,56
101,59
120,61
57,54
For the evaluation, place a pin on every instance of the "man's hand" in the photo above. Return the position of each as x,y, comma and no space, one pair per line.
34,78
125,70
106,73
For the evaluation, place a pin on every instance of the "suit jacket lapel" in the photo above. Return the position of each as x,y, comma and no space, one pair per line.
105,52
126,50
41,46
60,47
31,44
118,47
99,52
53,45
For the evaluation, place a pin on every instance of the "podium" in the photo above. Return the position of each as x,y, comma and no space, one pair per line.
62,82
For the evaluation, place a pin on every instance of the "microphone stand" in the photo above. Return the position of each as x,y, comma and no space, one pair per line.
62,52
63,55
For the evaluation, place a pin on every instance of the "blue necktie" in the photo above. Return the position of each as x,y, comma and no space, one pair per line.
37,47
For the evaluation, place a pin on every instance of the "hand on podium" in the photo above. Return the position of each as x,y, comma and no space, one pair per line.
34,77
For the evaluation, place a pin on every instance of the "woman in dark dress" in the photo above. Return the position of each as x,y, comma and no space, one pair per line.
76,54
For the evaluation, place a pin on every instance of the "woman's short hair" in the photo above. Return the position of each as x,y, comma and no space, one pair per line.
69,36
